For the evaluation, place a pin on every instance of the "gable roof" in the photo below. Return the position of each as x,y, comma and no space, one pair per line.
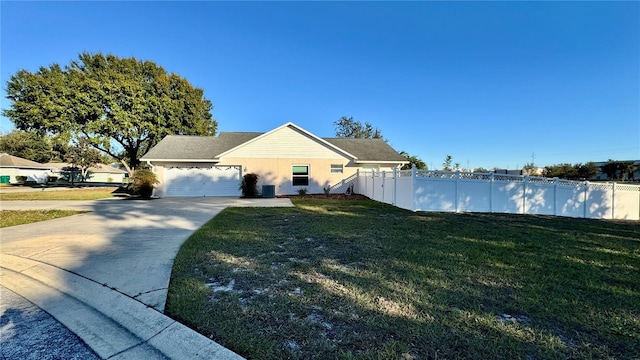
299,129
210,148
11,161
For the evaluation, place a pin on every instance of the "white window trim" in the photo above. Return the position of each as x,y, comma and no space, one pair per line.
308,174
336,170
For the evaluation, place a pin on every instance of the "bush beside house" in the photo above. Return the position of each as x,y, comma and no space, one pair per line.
144,182
249,185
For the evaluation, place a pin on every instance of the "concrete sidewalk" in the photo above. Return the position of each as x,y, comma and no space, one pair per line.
105,274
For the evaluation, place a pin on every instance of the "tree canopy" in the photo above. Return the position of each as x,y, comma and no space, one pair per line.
29,145
348,127
619,170
413,160
446,165
121,106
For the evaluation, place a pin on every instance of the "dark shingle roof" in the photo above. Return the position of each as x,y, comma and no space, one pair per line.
182,147
367,149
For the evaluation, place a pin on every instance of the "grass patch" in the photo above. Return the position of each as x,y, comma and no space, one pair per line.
364,280
76,194
19,217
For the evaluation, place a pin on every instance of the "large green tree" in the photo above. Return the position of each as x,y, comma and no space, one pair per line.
121,106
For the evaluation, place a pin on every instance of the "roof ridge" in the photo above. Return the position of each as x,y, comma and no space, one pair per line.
196,136
242,132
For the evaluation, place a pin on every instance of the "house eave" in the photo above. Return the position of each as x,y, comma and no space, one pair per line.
381,162
25,167
182,160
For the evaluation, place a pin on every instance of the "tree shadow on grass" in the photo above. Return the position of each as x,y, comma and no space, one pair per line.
386,283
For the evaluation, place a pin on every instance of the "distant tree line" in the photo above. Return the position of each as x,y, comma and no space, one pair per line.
568,171
615,170
44,148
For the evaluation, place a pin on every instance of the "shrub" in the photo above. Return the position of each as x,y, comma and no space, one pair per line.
249,185
21,179
302,192
327,190
51,179
144,182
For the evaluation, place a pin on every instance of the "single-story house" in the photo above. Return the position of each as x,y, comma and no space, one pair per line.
13,166
99,173
288,157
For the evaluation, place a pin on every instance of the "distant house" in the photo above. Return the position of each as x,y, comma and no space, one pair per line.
99,173
13,166
288,157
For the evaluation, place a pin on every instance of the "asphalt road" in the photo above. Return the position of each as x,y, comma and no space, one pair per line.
27,332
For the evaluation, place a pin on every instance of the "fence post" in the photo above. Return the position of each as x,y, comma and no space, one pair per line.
384,174
491,193
525,180
395,185
373,185
456,192
555,196
413,186
613,202
586,196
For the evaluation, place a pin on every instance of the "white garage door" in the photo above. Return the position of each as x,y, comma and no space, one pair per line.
202,181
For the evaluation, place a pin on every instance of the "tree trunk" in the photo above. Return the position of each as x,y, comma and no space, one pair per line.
126,166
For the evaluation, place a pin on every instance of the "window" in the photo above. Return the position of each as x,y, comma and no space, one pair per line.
336,168
300,175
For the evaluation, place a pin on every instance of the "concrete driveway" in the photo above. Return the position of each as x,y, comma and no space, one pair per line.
104,274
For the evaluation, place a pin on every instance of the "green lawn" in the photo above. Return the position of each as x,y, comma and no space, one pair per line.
75,194
19,217
363,280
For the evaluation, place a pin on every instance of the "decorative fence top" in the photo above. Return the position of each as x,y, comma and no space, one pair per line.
494,177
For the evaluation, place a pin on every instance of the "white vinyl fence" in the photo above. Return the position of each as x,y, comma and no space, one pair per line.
427,190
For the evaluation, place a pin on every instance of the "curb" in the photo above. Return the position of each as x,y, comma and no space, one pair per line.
114,325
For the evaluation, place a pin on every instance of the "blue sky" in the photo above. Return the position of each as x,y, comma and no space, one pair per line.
490,83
